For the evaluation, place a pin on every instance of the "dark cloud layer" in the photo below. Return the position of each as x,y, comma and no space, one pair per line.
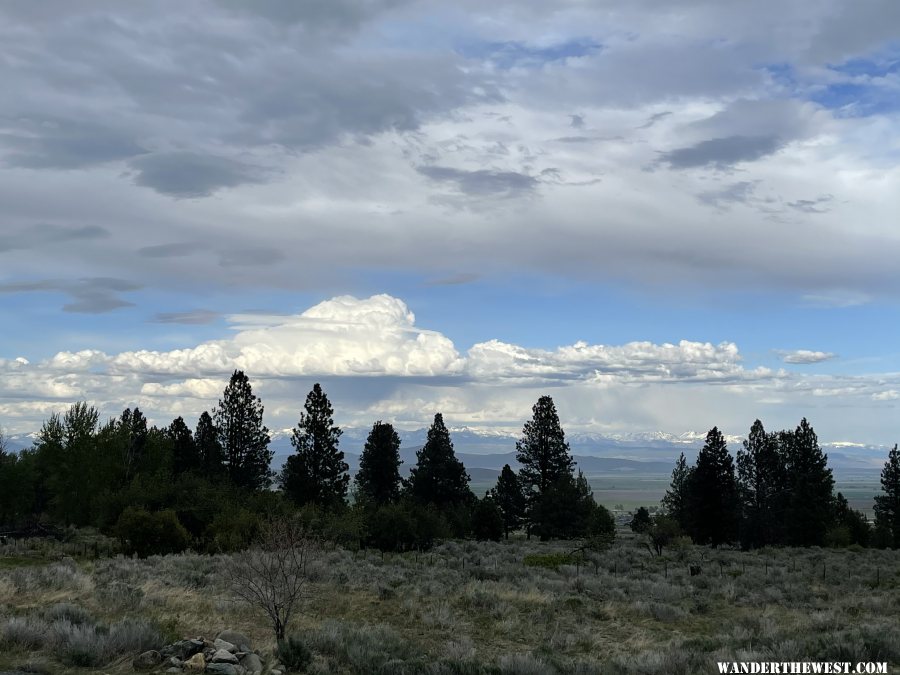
89,295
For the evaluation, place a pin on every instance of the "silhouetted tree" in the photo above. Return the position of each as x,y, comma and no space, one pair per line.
887,506
185,456
675,501
761,487
242,435
566,510
640,521
849,525
713,495
132,428
546,464
378,479
809,487
316,473
209,449
487,520
510,499
439,477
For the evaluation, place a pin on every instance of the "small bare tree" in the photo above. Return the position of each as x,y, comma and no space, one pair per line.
272,574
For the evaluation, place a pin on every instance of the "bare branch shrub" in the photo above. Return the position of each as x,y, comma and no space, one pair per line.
272,575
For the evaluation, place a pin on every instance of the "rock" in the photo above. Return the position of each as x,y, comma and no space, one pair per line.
175,662
224,656
148,660
274,672
196,663
173,669
225,669
252,663
242,641
183,649
219,643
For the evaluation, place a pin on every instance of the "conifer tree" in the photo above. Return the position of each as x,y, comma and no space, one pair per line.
438,477
713,501
209,450
887,506
542,451
378,479
675,501
242,435
316,473
809,487
761,477
510,499
185,456
132,429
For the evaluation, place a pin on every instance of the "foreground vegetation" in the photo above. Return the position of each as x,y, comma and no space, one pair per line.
472,607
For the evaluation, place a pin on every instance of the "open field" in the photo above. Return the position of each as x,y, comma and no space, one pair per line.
475,607
646,490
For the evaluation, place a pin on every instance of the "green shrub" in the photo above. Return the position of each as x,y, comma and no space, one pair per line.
294,654
149,534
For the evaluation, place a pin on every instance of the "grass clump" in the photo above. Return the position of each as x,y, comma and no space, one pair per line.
551,560
294,654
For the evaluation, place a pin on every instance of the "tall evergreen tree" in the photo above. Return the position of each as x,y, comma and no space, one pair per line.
887,505
439,477
542,451
378,479
810,487
185,456
132,429
242,435
209,449
316,473
713,494
675,501
761,477
510,499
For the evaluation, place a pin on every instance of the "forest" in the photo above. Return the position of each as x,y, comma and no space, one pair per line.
165,490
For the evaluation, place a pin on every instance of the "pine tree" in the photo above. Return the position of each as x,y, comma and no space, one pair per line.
242,435
438,477
209,450
810,487
542,451
675,501
713,501
132,427
887,506
316,473
510,499
761,477
378,479
185,456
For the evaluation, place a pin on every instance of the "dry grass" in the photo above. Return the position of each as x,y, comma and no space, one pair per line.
475,607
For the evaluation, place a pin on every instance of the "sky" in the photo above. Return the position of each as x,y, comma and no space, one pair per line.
666,214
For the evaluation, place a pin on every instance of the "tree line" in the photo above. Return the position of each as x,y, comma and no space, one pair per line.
165,489
778,491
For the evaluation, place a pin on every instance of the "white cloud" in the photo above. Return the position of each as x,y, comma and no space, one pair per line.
375,362
805,356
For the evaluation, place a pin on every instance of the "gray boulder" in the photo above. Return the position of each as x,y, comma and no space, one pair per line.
223,656
147,660
225,669
238,639
252,663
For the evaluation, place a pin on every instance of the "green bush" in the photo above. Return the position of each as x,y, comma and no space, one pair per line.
294,654
149,534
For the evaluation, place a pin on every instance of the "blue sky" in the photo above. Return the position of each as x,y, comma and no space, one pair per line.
670,215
